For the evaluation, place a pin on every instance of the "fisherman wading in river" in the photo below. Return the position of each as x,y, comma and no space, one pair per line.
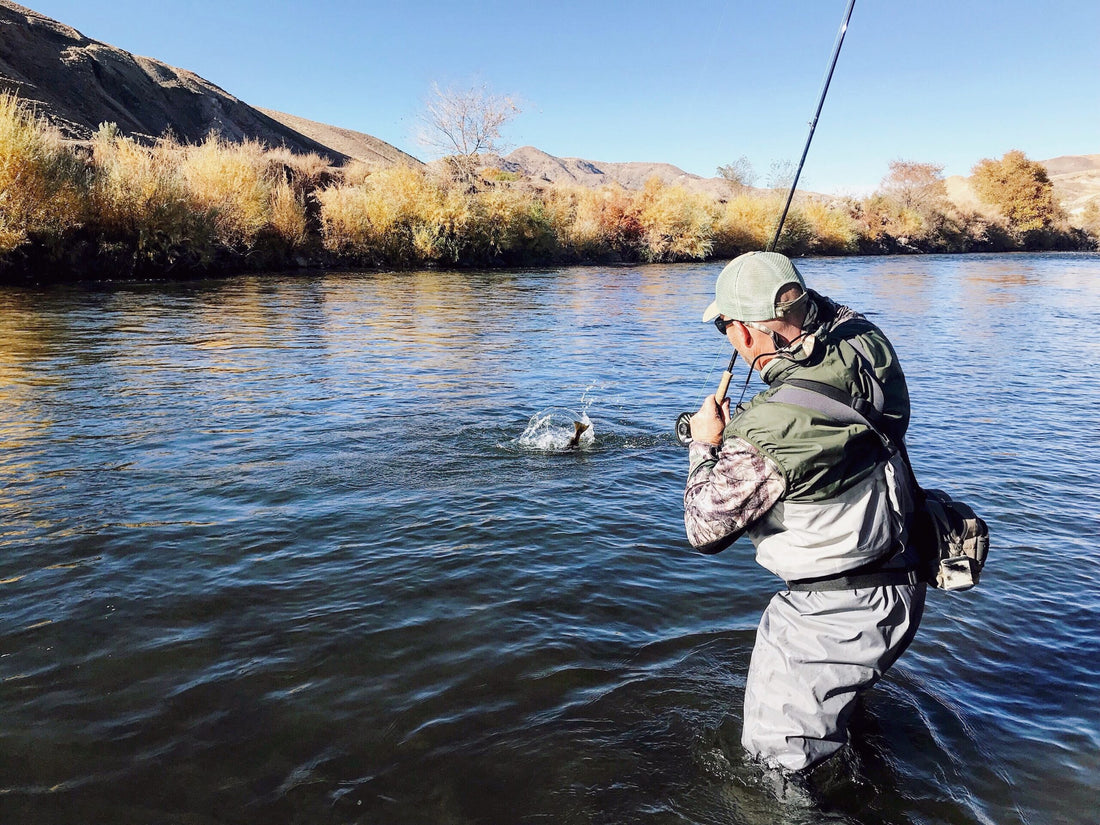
825,501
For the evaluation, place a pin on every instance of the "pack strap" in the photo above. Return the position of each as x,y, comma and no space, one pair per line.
828,400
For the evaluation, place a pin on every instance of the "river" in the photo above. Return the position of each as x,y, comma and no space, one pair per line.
286,549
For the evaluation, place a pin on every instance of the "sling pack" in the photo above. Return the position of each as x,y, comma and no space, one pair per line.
952,542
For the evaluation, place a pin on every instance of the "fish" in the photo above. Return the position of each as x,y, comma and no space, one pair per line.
578,430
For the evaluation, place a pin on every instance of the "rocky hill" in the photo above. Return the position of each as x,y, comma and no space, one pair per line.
77,83
539,166
1076,180
348,142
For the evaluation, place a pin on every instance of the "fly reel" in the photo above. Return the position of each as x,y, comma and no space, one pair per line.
683,420
683,428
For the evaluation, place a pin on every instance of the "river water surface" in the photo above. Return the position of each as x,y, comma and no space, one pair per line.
285,550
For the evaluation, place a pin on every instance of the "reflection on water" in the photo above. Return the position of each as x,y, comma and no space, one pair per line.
273,549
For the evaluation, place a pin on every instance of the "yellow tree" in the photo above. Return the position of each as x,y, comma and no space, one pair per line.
1020,189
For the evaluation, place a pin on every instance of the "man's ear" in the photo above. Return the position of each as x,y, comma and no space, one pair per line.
739,334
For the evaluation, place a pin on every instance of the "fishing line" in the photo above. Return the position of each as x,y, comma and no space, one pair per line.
710,372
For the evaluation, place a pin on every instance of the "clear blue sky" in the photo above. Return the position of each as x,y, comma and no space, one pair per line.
692,83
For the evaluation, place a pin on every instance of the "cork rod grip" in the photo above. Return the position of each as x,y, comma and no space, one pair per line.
723,386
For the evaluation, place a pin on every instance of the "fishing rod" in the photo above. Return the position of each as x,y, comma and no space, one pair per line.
683,420
813,123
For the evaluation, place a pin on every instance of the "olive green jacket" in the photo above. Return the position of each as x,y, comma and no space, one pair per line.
846,497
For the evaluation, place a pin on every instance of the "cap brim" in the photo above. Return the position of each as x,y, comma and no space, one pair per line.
711,312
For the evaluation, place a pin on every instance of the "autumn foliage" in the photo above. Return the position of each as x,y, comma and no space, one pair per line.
1021,190
120,208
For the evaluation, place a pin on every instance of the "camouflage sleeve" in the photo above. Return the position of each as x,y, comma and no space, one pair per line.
728,490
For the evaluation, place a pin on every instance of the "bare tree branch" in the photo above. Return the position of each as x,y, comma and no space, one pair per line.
465,122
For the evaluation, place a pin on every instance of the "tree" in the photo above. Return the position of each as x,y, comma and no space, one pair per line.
465,123
916,186
1020,189
1090,219
739,175
781,174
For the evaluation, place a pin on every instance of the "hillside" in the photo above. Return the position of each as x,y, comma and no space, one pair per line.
1076,180
348,142
77,83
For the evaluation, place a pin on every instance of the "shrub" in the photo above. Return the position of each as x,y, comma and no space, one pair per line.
830,228
1020,189
41,182
676,224
512,227
356,172
137,188
288,214
878,216
234,184
1090,221
304,172
744,223
395,216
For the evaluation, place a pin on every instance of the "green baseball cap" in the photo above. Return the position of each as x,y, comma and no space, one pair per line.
747,288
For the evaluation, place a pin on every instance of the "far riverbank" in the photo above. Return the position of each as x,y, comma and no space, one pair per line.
116,209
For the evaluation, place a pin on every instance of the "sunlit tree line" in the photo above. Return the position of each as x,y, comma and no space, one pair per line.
119,208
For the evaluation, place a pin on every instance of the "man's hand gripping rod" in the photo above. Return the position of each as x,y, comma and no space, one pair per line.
683,420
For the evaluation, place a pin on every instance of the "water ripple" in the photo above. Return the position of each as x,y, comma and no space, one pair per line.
274,551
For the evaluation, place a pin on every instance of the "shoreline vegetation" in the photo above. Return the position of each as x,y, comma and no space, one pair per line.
113,209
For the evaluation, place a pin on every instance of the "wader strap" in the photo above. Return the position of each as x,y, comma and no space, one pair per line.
848,409
883,578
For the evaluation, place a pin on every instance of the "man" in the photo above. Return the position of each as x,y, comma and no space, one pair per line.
810,469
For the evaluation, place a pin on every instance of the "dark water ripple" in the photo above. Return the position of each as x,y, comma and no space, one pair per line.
274,550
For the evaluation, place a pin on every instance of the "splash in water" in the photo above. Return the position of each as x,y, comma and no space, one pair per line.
557,430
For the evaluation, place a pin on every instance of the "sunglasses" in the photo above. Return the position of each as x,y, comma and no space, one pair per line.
721,324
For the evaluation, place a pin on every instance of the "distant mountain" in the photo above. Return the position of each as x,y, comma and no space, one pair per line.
77,83
1076,180
539,166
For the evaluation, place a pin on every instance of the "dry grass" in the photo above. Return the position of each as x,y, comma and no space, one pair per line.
234,184
746,222
138,189
831,229
217,192
41,182
356,172
167,203
396,214
676,224
592,224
